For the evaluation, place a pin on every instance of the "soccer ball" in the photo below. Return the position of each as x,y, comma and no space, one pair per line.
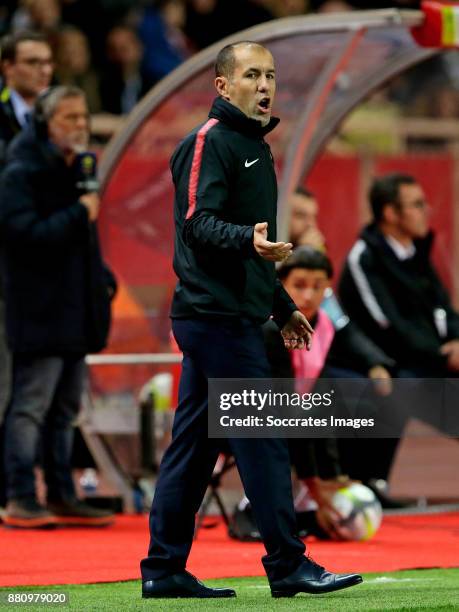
360,513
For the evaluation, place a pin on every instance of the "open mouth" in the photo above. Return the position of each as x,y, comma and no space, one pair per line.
264,105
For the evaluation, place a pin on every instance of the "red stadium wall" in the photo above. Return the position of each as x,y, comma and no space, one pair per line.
341,184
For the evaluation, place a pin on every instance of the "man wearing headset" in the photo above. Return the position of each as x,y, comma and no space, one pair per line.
57,293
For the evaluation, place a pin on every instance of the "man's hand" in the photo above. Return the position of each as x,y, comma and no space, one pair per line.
272,251
322,492
91,202
451,349
297,333
382,380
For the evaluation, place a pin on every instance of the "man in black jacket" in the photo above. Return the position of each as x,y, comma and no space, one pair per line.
225,249
57,293
390,287
26,70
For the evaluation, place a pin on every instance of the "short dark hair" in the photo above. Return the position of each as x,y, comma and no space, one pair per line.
304,191
226,59
9,43
307,258
386,190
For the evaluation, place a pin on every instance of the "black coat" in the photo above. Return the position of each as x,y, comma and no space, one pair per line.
394,302
56,285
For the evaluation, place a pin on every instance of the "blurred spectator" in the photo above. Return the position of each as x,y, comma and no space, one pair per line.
160,31
335,6
290,8
205,23
94,20
123,82
303,220
57,294
40,15
73,65
26,67
243,14
208,21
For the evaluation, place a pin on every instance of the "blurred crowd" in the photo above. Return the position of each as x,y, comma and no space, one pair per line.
116,50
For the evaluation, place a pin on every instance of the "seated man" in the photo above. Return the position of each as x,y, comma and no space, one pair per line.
306,276
391,288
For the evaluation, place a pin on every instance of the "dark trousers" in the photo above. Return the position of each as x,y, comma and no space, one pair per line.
229,349
45,401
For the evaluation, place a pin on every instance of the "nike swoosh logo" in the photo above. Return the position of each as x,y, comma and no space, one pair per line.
248,164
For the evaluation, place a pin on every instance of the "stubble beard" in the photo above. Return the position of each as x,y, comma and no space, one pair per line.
261,119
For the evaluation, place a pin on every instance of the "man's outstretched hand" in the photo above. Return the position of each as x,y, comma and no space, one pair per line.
272,251
297,332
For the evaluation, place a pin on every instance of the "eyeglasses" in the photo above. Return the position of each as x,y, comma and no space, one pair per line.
418,204
36,62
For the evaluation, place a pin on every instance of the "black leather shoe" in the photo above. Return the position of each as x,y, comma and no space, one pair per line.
312,578
182,585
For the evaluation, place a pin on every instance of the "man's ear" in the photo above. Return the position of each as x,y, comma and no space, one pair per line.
221,85
390,213
5,68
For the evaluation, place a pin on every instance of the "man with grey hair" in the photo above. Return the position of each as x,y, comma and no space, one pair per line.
57,293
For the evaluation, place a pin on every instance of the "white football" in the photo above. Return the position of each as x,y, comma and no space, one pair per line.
360,513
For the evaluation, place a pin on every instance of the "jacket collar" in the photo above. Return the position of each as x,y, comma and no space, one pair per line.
373,236
230,115
29,147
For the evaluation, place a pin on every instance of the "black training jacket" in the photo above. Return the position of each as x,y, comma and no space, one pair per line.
398,303
225,183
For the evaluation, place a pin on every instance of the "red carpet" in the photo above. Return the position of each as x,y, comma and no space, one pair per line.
74,556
